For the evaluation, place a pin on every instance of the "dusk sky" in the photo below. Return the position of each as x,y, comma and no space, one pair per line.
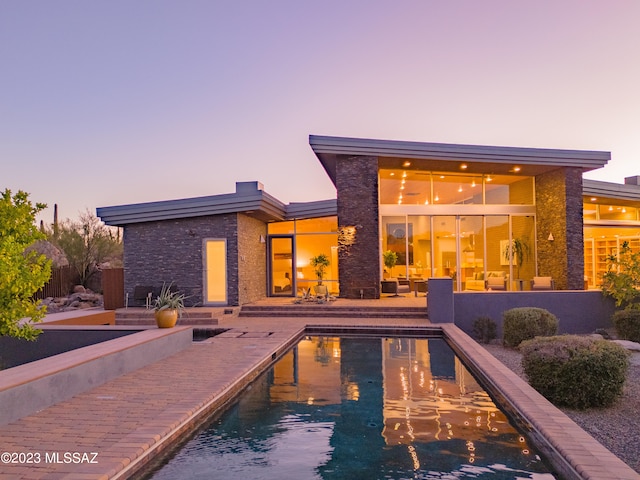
114,102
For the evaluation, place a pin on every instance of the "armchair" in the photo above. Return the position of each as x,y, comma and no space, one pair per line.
543,283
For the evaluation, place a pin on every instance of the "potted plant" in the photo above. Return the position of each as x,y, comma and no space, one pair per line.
389,258
320,263
168,307
520,251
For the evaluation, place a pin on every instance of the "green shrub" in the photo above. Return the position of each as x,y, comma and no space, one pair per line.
576,372
525,323
627,324
484,329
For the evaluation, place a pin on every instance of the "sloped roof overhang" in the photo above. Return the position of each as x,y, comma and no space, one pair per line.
257,204
616,193
448,157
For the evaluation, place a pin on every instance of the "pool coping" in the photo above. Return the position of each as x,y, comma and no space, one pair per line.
236,358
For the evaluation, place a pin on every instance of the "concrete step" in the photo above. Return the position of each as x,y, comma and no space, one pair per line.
332,311
142,316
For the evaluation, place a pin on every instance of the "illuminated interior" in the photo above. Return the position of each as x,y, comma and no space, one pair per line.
215,271
421,187
607,226
292,245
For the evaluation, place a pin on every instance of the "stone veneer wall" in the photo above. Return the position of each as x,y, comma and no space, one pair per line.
171,251
252,259
358,245
559,212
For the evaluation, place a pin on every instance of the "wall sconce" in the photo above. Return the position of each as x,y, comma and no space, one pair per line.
262,239
550,238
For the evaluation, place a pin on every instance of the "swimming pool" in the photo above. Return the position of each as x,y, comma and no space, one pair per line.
361,407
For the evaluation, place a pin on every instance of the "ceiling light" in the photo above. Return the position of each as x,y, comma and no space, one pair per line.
516,169
489,178
460,189
593,199
407,163
463,166
404,174
437,198
473,183
392,174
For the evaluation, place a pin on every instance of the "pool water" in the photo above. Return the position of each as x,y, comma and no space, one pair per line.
361,408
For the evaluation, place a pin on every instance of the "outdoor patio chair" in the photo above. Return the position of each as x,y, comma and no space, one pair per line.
542,283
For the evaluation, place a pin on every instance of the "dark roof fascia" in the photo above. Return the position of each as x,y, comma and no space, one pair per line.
614,191
303,210
327,149
260,204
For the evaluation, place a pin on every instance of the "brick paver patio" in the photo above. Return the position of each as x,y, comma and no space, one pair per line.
145,411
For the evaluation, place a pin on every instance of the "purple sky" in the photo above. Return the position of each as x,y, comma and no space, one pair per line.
114,102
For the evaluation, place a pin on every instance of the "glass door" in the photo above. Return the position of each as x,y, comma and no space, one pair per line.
281,279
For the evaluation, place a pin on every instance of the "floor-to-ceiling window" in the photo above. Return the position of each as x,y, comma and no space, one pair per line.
470,227
291,268
607,225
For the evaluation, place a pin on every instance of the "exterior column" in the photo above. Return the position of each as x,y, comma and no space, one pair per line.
559,213
358,238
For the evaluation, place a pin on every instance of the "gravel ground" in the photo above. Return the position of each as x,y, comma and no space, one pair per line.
616,427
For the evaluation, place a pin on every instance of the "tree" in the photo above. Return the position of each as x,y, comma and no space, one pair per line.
621,281
87,243
22,271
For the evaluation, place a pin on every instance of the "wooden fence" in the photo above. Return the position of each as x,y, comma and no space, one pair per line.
59,285
113,288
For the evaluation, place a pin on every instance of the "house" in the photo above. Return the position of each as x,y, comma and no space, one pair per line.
463,211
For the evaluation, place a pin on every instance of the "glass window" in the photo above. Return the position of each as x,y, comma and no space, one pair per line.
421,246
317,225
589,211
309,246
215,271
395,235
445,247
280,228
419,187
617,212
508,190
405,187
450,188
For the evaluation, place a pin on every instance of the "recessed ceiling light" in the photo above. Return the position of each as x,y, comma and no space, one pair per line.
593,199
407,163
516,169
463,166
392,174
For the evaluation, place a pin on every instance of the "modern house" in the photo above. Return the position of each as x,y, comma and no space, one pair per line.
463,211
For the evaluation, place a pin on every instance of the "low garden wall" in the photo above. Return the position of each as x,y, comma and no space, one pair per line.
578,311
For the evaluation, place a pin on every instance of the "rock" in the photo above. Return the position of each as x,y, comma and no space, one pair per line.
79,289
629,345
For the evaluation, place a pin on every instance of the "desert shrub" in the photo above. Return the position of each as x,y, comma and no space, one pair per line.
627,324
525,323
576,372
484,329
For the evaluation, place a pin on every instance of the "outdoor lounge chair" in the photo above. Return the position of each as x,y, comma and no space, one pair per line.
542,283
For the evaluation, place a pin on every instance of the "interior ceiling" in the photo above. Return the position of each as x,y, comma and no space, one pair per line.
474,167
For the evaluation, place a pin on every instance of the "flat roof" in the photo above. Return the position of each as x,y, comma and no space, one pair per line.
249,198
623,193
440,156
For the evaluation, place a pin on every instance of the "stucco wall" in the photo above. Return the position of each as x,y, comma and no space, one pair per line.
358,245
559,212
171,251
578,312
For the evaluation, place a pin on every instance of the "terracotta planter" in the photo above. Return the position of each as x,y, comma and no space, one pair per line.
166,318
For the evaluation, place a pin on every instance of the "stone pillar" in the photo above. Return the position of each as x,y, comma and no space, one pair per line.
440,307
358,244
559,213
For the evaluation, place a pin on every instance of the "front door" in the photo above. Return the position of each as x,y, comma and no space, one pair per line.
281,254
